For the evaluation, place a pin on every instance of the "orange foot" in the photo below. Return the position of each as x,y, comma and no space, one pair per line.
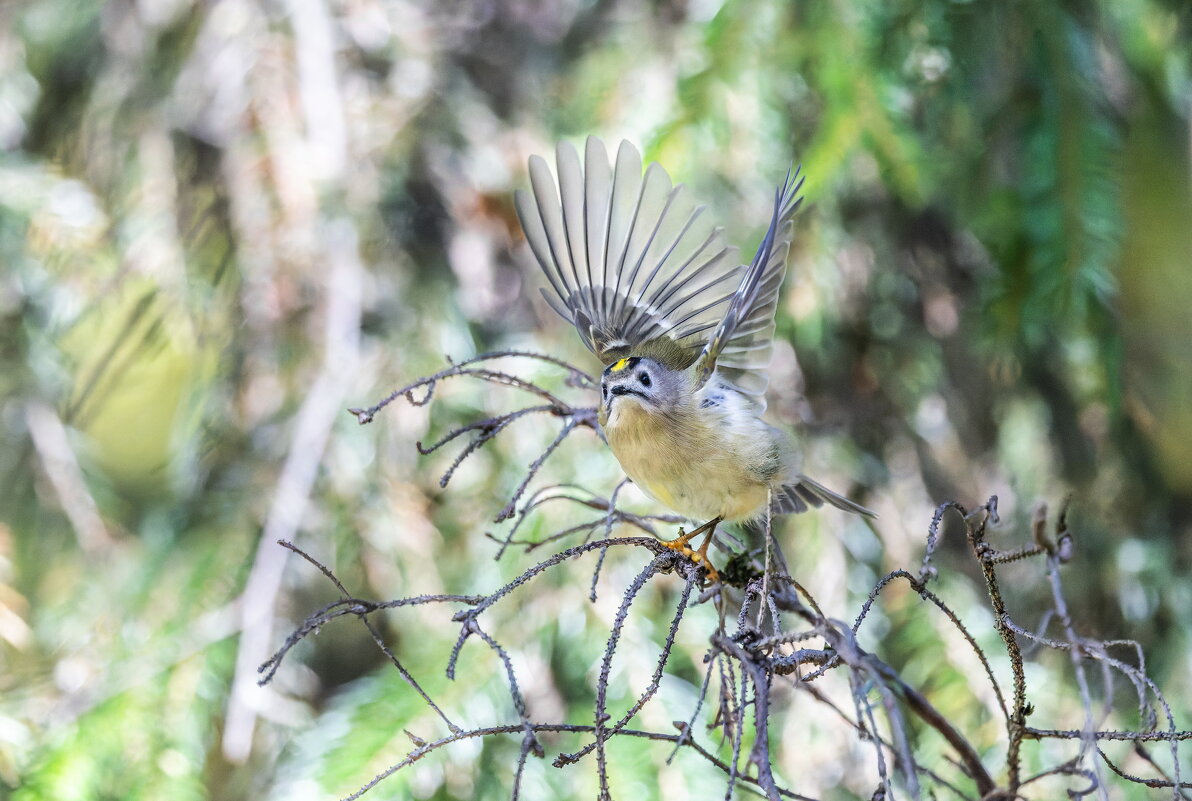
700,557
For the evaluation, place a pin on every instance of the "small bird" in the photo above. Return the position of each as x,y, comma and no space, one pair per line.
685,332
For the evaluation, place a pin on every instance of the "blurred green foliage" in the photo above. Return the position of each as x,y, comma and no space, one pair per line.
220,223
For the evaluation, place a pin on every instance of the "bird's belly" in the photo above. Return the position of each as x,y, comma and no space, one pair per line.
714,483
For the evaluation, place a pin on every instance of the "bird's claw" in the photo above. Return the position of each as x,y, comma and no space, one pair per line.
700,557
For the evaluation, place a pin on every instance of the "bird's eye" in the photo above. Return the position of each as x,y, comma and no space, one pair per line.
644,378
604,390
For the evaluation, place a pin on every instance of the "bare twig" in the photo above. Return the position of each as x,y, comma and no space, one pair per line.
745,663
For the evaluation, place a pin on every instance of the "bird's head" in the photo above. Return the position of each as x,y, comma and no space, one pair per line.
637,384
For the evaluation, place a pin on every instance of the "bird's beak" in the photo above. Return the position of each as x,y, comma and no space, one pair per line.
620,390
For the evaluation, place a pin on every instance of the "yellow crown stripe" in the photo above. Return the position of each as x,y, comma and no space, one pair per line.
618,365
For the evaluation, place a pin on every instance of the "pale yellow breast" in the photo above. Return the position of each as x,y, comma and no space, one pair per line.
696,464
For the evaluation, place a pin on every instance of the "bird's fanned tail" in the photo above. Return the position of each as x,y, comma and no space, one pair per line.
807,493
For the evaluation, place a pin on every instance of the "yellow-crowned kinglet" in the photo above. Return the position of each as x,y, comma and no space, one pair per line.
684,329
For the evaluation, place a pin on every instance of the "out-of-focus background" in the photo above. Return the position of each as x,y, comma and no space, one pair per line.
223,222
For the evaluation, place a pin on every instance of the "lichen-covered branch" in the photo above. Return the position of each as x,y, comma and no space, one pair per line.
791,644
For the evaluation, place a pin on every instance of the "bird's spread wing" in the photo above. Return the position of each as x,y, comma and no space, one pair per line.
630,259
740,347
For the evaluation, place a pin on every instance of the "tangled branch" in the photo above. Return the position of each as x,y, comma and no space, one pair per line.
790,644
